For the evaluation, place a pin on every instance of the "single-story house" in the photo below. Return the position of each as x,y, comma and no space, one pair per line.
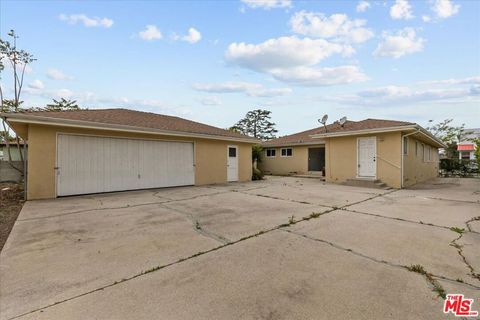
105,150
396,153
466,148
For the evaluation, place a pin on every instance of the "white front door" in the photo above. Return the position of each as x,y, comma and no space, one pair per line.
232,163
94,164
366,157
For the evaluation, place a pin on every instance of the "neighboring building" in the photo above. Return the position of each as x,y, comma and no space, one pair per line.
397,153
14,152
466,147
104,150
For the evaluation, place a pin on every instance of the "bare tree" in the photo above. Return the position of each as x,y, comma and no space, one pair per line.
18,60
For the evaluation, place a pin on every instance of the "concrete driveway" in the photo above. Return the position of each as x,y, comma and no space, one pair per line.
283,248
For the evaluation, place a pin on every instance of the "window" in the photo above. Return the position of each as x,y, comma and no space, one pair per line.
405,145
422,149
465,155
232,152
417,147
270,153
287,152
427,153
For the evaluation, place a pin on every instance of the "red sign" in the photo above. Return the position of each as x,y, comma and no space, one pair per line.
459,306
465,147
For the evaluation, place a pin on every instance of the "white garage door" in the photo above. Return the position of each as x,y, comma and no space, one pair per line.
88,164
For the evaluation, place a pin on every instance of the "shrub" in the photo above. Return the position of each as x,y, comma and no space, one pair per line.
257,174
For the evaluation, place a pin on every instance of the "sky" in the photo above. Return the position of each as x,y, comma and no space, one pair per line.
213,61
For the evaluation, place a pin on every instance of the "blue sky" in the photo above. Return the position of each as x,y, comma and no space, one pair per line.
212,61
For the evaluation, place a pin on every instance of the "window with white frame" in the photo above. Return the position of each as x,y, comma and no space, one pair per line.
287,152
270,153
405,145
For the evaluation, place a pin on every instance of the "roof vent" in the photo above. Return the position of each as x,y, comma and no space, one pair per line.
342,121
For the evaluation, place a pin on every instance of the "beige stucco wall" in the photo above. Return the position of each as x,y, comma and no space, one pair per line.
416,169
341,158
278,165
210,157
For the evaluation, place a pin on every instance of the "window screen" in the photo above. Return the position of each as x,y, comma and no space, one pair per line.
232,152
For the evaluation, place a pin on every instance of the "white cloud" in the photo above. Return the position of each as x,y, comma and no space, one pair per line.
210,101
248,88
426,18
401,10
283,52
56,74
401,43
193,36
295,60
468,80
267,4
150,33
63,93
457,90
338,26
36,84
308,76
445,8
86,21
362,6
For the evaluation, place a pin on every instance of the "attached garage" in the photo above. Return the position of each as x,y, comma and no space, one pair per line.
107,150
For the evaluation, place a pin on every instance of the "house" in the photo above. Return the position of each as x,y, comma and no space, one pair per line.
466,147
397,153
104,150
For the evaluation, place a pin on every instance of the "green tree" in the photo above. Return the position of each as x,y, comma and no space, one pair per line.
18,60
449,134
62,104
257,124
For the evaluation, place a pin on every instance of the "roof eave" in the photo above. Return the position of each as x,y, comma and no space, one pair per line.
24,118
364,131
293,144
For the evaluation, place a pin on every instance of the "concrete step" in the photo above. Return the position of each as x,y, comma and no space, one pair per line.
366,183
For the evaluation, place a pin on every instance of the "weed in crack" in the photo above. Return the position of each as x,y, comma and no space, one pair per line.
457,230
460,280
197,225
291,220
437,287
315,215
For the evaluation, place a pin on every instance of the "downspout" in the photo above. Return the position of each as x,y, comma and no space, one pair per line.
403,155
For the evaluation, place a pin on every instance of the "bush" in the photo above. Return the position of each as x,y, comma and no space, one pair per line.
458,167
257,174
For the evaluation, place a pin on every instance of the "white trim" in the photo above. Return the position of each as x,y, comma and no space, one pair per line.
286,156
419,129
293,144
375,159
121,128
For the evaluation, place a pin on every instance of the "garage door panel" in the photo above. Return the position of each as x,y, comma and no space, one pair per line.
98,164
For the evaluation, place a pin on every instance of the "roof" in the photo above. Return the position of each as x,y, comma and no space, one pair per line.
125,119
305,137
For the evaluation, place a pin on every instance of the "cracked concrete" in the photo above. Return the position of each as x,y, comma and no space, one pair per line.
396,242
218,286
222,252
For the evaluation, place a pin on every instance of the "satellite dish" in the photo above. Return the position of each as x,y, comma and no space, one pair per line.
324,119
342,121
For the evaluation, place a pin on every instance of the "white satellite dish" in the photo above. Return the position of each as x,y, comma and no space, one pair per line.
342,121
324,121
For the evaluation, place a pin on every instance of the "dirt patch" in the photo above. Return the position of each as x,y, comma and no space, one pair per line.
11,202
